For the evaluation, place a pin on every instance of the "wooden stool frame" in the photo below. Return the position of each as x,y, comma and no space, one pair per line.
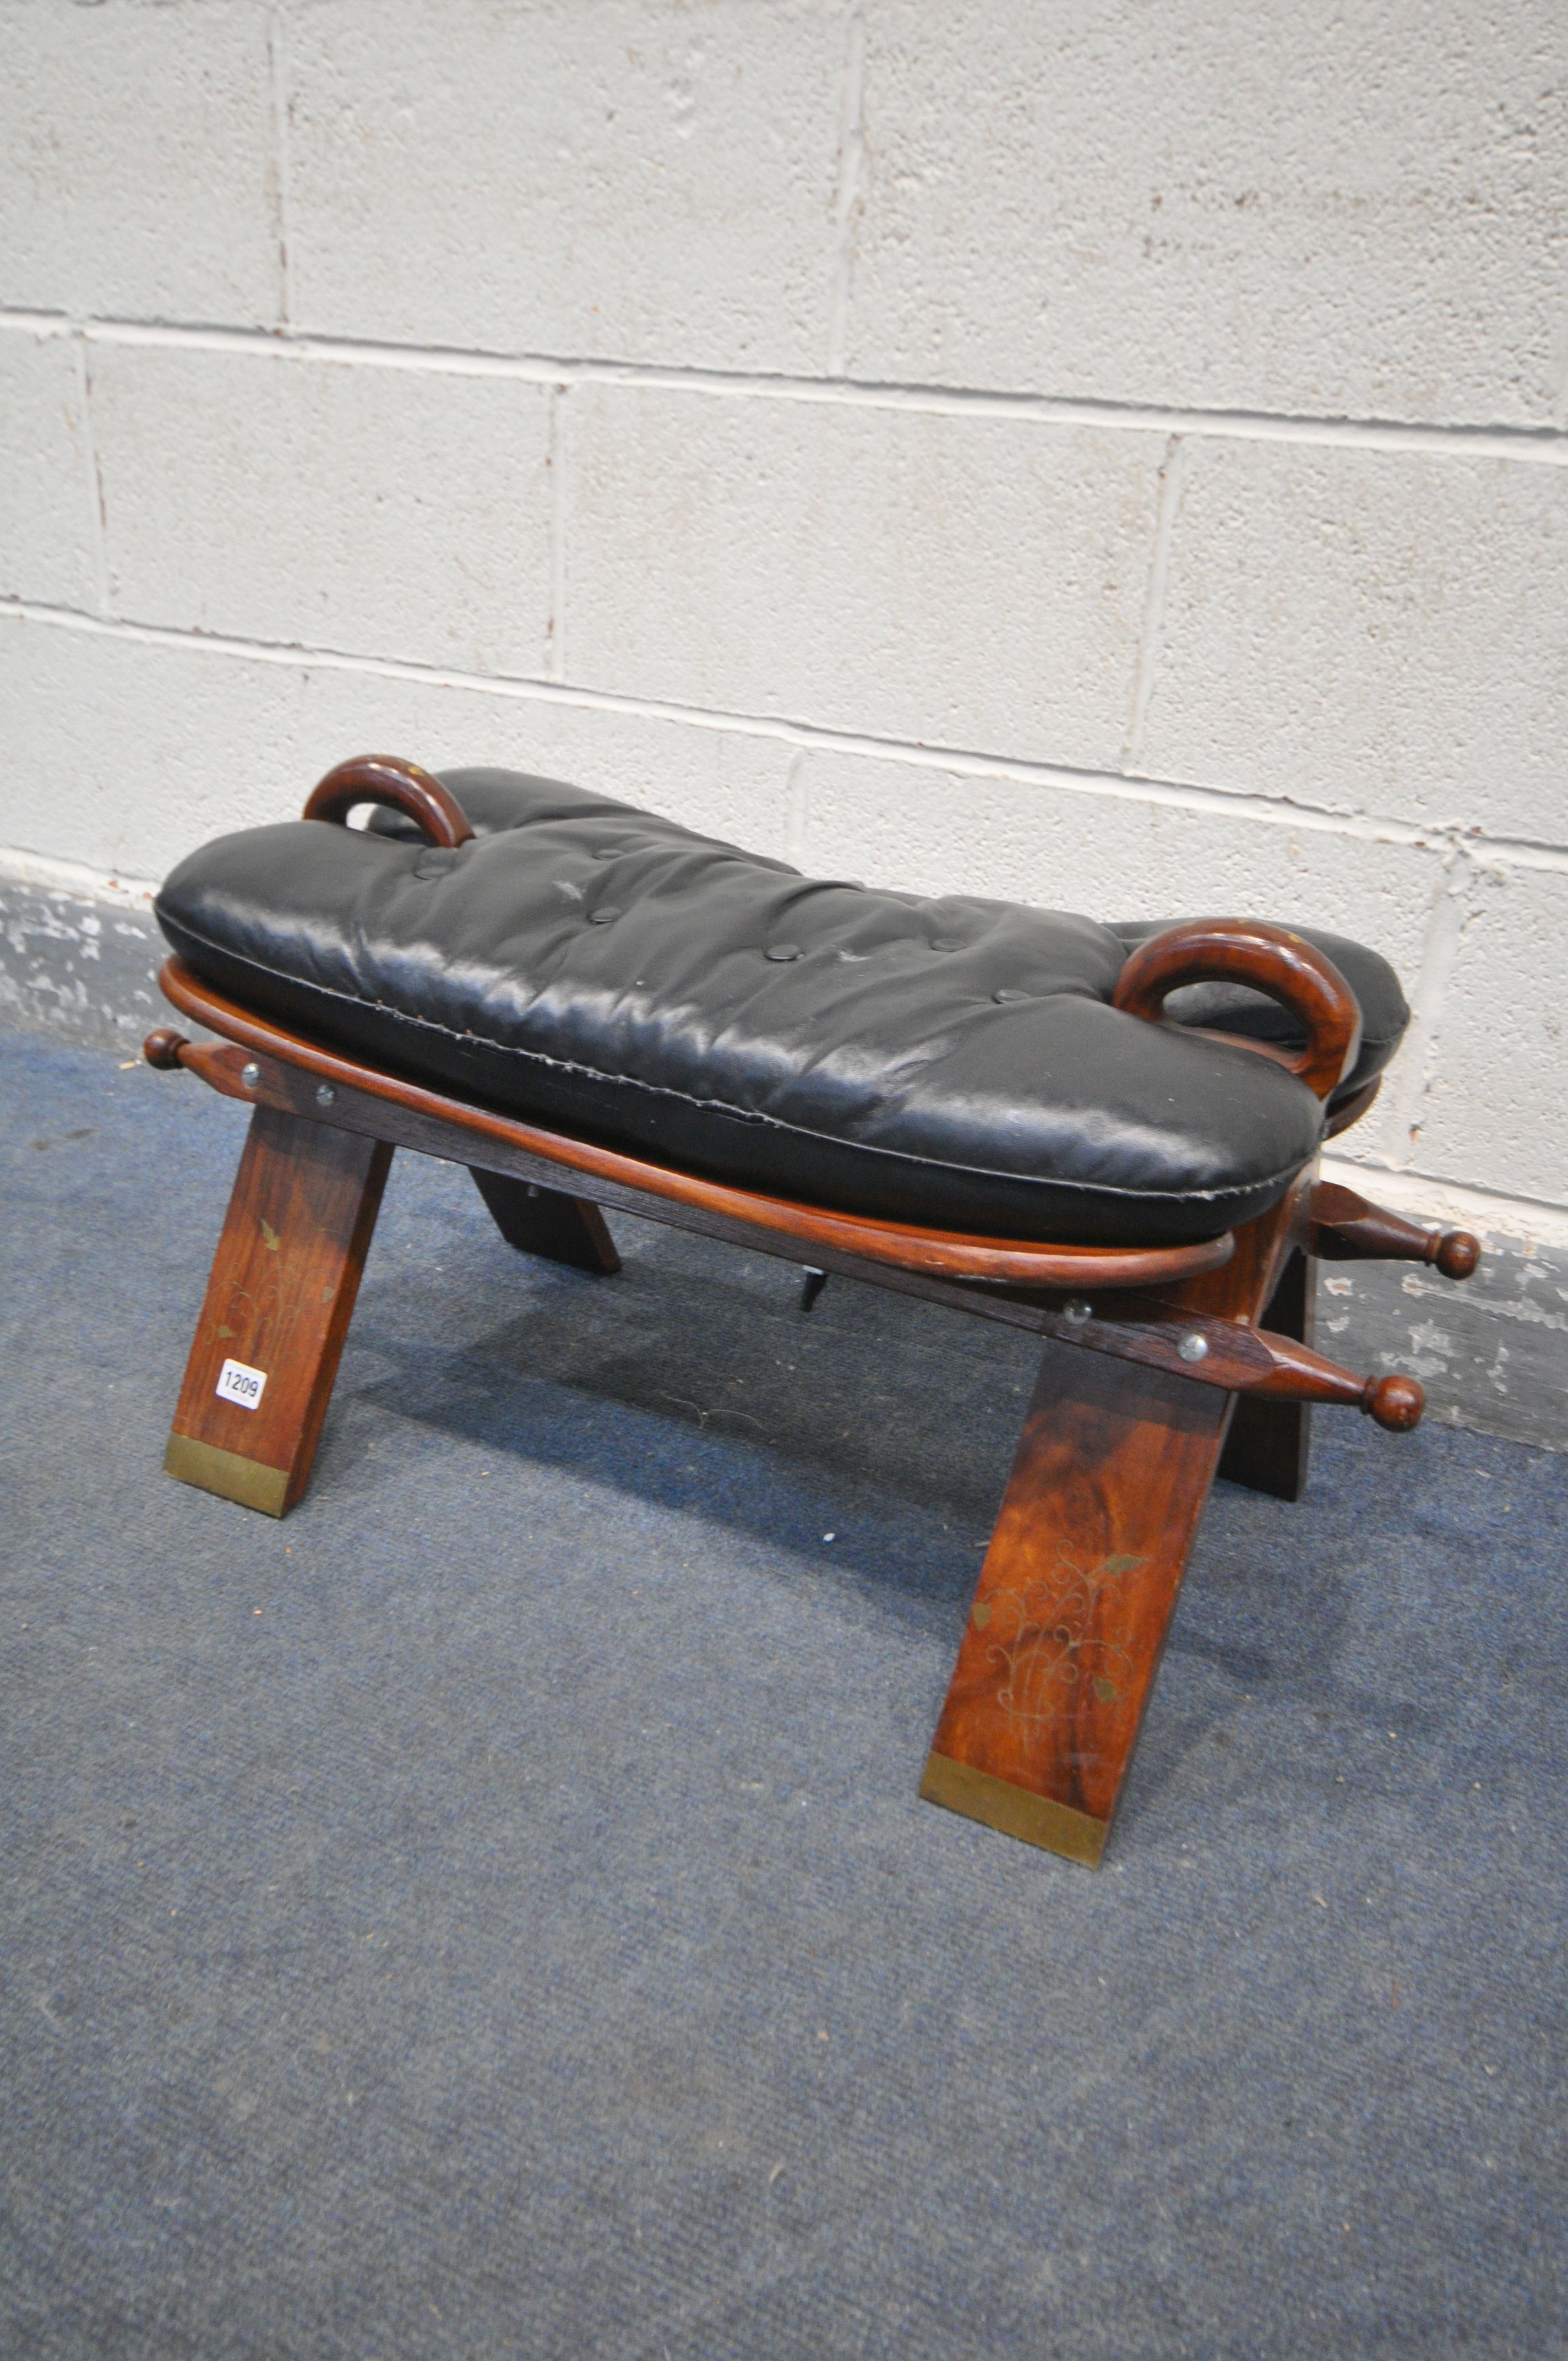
1160,1366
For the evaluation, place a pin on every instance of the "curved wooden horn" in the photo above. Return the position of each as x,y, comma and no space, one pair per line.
1270,959
401,787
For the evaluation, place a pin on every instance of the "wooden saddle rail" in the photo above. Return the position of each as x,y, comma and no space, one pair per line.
267,1065
1150,1355
472,1132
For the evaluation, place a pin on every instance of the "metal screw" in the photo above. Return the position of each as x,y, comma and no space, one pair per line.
1075,1311
250,1075
1193,1347
324,1095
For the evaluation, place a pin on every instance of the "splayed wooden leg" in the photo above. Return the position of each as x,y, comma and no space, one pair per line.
549,1221
278,1306
1269,1445
1075,1598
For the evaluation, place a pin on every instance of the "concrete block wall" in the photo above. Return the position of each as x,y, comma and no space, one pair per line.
1113,453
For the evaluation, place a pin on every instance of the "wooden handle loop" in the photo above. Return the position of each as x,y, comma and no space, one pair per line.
1269,959
401,787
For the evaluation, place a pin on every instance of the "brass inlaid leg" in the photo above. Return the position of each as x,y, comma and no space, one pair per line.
278,1306
1070,1613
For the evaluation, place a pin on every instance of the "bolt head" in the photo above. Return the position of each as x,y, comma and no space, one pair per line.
325,1094
1194,1348
1075,1311
250,1075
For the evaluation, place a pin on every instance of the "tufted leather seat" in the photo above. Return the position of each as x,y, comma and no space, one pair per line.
591,967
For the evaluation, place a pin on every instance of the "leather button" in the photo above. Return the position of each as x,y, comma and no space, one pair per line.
607,852
1008,993
947,943
603,915
783,951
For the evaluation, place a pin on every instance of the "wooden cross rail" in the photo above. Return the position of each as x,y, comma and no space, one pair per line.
1231,1355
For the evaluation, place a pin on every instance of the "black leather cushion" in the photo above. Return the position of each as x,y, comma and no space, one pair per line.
596,968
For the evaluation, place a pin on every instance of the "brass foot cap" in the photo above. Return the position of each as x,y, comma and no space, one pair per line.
1016,1811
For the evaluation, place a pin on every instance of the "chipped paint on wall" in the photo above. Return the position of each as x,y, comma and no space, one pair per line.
1492,1352
72,966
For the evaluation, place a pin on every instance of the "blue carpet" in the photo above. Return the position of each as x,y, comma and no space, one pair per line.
490,1914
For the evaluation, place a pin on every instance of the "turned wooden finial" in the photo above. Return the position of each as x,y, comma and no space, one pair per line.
161,1048
1456,1252
1395,1403
1346,1228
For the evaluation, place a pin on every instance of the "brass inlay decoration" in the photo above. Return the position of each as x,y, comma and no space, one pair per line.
267,1314
1036,1819
1052,1635
226,1473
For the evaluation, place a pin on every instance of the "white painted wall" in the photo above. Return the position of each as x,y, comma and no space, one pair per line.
1113,453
